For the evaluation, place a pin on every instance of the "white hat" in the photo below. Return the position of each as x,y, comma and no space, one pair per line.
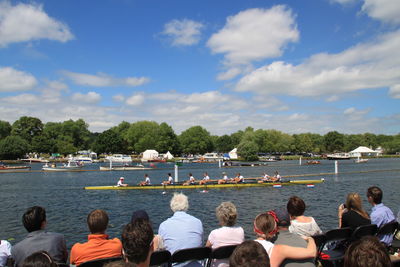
122,178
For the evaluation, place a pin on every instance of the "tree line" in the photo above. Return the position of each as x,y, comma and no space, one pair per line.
30,134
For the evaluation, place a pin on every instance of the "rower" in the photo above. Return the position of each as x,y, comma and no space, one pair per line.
169,181
238,179
146,181
276,177
206,179
224,179
191,180
265,178
121,182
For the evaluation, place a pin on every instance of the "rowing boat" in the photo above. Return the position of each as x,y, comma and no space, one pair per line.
254,183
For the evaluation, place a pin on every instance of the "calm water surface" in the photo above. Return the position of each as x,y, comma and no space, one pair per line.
67,203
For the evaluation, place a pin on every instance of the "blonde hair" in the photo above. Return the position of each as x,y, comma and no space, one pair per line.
265,223
179,202
353,202
226,214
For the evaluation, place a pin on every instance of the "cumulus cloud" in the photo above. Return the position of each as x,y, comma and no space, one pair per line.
385,10
27,22
135,100
255,34
22,99
14,80
367,65
394,91
90,97
343,2
104,80
183,32
118,98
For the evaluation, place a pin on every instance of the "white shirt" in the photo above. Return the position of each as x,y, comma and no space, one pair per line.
267,245
305,228
170,179
120,183
5,252
147,180
206,177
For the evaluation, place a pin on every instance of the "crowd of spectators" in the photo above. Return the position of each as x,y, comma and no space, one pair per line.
283,237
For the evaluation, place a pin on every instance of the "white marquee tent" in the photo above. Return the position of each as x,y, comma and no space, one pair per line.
363,151
150,154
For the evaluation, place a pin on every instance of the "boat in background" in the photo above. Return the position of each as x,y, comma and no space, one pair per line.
338,156
313,162
7,168
360,160
123,167
35,160
119,158
70,166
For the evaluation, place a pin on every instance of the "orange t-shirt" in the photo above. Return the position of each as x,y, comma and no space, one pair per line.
97,247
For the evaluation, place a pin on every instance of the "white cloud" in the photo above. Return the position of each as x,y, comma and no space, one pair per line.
255,34
118,98
104,80
364,66
385,10
229,74
135,100
22,99
27,22
90,97
394,91
14,80
183,32
343,2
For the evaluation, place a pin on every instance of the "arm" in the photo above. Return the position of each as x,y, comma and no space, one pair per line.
281,252
208,244
341,210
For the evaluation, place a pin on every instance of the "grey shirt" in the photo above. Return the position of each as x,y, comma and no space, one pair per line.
52,243
294,240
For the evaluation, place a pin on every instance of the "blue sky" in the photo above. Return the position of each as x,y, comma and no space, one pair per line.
294,66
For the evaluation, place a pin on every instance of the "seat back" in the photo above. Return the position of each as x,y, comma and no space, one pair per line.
388,228
160,257
320,241
99,262
191,254
338,234
221,253
364,230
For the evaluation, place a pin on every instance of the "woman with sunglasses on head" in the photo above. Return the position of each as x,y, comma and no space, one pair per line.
265,227
352,213
39,259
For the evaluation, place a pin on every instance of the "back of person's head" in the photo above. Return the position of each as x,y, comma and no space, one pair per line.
248,254
179,202
296,206
367,252
120,263
137,241
265,225
33,218
353,202
226,214
375,193
39,259
281,217
139,214
97,221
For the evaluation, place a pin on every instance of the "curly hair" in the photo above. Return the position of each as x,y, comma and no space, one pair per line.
226,214
179,202
137,238
367,252
248,254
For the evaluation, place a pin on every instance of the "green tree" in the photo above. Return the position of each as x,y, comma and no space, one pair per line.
42,144
303,142
27,128
370,140
236,138
78,133
142,135
196,140
248,150
167,140
109,142
334,141
13,147
223,144
5,129
352,141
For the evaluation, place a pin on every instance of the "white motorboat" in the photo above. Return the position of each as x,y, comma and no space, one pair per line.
70,166
119,158
123,167
360,160
338,156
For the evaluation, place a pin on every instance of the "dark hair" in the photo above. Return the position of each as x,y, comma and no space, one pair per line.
33,218
248,254
367,252
97,221
296,206
376,194
139,214
39,259
137,239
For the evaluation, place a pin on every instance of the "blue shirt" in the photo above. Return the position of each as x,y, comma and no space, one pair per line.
381,215
181,231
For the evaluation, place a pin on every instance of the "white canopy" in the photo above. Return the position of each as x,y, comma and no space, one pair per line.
233,154
150,154
168,155
363,151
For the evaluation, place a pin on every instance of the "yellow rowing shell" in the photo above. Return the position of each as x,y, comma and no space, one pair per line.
203,187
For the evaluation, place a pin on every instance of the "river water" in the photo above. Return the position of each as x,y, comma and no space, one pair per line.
67,203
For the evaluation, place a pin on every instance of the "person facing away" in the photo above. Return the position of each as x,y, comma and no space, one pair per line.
121,182
380,214
249,254
169,180
284,237
5,252
99,245
228,233
142,214
39,259
351,214
34,220
137,242
181,230
367,252
300,224
146,180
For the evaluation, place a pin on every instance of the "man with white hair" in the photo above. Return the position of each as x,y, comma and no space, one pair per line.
181,230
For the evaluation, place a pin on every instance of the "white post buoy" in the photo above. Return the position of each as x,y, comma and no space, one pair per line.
336,167
300,161
176,173
219,163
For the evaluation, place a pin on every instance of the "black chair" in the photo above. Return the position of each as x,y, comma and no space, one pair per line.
320,241
161,257
99,262
221,253
191,254
334,256
388,229
364,230
62,264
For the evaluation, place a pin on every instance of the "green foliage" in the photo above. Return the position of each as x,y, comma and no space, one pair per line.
334,141
5,129
109,142
167,140
248,150
196,140
27,128
13,147
223,144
